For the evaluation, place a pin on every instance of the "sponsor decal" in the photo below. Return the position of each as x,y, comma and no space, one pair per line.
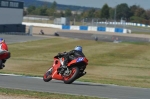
80,59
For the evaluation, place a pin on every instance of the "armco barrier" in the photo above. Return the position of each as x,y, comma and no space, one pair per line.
86,28
92,28
126,23
119,30
43,25
74,28
101,28
83,27
65,27
109,29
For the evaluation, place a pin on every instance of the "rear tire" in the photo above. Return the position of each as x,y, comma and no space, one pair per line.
1,64
47,76
72,77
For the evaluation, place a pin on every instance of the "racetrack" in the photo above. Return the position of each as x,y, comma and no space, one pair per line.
77,88
102,36
109,37
19,38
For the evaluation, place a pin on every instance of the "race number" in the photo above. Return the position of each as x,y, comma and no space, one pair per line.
80,59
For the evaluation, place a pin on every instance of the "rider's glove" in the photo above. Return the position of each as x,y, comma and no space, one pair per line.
59,55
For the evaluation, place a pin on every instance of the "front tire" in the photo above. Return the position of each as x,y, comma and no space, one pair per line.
72,77
47,76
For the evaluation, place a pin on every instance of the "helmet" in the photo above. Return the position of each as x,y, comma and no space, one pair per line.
2,40
78,48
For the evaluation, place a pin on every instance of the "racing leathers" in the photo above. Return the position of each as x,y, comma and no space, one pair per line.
68,56
4,54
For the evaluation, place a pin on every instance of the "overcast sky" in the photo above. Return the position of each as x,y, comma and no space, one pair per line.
99,3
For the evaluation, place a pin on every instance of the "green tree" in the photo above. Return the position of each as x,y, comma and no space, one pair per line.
148,13
91,13
50,12
136,19
30,9
111,13
43,10
97,14
62,14
105,11
84,14
54,5
144,16
140,12
68,13
37,11
122,11
53,9
132,9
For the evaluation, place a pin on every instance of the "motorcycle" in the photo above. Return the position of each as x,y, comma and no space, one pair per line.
3,57
75,69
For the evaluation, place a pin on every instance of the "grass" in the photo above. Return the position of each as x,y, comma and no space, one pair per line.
124,64
39,95
147,33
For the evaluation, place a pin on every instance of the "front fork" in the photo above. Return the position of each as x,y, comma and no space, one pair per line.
49,72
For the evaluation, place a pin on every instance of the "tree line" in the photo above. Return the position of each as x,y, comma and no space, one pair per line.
132,13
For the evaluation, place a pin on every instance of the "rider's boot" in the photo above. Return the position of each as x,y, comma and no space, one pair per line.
3,64
62,68
81,74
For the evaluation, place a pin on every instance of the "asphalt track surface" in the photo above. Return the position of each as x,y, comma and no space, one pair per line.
103,36
19,38
76,88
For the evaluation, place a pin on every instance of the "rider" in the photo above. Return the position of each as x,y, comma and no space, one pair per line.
3,51
68,56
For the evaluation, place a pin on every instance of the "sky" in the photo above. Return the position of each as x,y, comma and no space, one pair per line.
99,3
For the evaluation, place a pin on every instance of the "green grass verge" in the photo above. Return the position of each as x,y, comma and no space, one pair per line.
124,64
40,95
147,33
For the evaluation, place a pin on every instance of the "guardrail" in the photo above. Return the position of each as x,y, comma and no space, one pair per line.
124,23
82,28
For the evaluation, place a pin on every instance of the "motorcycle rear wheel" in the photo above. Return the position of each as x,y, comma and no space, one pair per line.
72,77
1,64
47,76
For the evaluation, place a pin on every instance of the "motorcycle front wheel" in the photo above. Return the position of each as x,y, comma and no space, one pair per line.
47,76
73,75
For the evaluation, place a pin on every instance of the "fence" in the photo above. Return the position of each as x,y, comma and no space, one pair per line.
82,28
85,22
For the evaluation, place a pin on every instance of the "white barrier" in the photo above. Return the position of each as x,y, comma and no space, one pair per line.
43,25
90,28
108,29
74,28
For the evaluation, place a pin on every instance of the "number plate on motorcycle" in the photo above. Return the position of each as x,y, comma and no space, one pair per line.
80,59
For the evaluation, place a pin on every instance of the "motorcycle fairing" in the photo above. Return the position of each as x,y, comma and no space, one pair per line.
58,62
79,59
4,56
56,65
